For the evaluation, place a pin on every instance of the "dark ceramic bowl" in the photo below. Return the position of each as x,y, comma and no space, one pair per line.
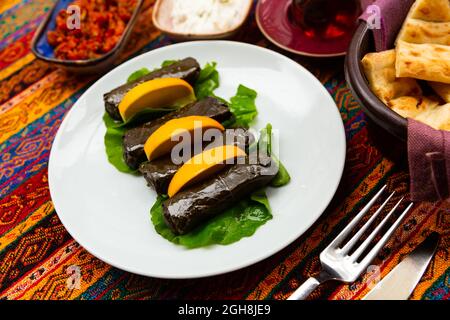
44,51
361,44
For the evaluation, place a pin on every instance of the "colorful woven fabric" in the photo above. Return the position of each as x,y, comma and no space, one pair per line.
39,259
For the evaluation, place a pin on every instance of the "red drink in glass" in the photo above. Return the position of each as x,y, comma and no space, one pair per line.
327,19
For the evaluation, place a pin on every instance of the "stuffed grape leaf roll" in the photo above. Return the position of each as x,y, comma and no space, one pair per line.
187,69
159,172
135,138
189,208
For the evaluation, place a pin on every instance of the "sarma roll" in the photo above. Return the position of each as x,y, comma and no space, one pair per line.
187,209
187,69
135,138
159,172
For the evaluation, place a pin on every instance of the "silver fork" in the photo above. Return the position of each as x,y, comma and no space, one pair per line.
337,264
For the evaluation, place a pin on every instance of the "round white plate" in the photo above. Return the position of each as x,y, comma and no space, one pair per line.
107,212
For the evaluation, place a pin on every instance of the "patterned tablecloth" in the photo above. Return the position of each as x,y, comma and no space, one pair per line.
37,254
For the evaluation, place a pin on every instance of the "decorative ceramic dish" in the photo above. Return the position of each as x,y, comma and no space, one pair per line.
274,19
44,51
162,21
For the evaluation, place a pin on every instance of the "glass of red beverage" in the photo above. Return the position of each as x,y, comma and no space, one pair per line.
327,19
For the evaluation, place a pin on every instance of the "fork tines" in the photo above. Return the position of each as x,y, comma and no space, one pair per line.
343,250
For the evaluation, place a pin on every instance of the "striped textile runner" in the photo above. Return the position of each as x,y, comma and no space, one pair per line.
37,255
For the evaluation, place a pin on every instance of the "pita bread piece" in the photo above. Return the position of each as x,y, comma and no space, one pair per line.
379,68
419,31
412,107
430,10
437,117
423,61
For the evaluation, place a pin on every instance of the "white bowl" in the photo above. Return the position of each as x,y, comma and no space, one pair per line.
161,20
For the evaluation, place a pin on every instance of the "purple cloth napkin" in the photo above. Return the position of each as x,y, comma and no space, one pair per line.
385,18
429,162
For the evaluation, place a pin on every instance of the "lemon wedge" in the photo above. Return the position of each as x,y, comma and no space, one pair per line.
156,93
203,165
164,138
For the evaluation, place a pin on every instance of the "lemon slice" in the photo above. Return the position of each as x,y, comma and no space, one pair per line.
164,138
203,165
156,93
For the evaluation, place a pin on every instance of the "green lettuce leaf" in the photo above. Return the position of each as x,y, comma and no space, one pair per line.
113,144
238,222
143,71
264,145
207,82
265,140
282,178
167,63
137,74
243,107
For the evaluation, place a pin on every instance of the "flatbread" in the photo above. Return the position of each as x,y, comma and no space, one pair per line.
442,89
430,10
423,61
419,31
437,117
422,52
423,109
379,68
412,107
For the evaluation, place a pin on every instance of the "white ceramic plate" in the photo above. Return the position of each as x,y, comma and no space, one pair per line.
107,212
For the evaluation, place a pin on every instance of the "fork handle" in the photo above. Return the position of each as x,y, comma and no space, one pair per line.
305,289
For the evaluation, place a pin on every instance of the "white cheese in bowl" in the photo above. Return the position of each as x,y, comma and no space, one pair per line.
205,16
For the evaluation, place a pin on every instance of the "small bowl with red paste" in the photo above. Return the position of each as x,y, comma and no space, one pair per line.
85,36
